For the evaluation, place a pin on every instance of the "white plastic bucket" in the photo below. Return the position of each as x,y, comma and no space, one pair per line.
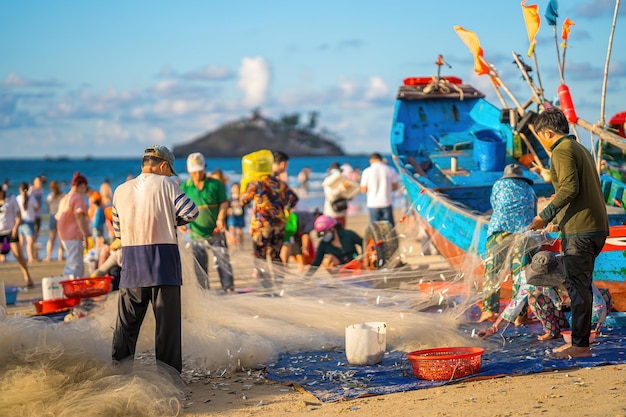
51,288
366,343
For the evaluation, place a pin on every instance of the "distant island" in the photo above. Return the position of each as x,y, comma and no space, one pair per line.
249,134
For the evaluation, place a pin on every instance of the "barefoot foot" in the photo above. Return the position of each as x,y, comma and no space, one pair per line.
521,320
572,352
549,336
561,348
488,315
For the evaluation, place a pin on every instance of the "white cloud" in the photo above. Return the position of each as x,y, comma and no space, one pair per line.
165,86
347,87
376,89
14,80
110,132
254,79
210,72
169,108
157,135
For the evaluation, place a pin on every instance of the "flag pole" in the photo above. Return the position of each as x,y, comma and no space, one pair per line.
604,83
533,88
558,55
538,76
606,65
498,93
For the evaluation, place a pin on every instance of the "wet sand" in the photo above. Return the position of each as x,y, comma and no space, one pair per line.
596,391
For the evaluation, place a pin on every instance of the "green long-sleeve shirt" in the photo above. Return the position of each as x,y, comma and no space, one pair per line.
578,206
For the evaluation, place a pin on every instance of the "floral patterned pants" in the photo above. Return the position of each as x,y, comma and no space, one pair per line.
500,247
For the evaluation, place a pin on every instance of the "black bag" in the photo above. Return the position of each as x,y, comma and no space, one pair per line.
340,204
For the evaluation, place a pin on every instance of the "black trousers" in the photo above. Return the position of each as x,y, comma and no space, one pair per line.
132,306
579,257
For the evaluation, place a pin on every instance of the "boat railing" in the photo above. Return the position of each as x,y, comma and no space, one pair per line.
463,145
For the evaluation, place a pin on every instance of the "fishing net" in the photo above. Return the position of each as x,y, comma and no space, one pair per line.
421,295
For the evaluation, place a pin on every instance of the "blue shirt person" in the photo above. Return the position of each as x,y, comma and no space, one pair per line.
514,203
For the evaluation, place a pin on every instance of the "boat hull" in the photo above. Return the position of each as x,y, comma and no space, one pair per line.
450,193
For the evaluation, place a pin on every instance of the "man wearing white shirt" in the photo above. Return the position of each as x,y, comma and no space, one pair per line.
379,181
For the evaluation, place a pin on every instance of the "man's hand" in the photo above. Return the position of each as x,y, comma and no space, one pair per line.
537,223
551,227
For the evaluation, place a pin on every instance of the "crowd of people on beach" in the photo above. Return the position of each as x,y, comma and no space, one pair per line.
80,228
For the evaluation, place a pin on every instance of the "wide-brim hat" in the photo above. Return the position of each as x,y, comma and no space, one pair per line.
515,171
545,270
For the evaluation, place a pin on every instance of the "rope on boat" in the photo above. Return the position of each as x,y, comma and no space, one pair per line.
442,85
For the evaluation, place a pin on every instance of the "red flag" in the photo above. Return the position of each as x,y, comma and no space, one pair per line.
471,40
531,17
566,28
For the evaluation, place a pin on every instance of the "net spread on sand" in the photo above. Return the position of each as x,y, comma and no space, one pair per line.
65,368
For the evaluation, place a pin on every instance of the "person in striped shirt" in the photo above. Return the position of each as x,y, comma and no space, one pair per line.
146,213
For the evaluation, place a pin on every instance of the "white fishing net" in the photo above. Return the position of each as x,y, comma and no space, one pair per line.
65,368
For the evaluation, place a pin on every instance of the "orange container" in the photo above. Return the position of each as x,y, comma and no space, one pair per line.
55,306
445,364
86,287
450,288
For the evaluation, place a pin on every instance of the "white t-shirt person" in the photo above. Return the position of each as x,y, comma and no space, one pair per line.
379,181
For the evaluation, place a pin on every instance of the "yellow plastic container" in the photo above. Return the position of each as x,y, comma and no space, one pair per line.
255,166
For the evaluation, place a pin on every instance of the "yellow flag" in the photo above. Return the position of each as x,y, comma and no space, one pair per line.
531,17
471,40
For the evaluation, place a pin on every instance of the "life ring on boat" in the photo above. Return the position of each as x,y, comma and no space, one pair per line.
428,80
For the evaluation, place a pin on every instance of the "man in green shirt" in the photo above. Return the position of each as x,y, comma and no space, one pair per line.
579,212
208,229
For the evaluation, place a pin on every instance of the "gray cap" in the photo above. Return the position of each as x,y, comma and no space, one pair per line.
161,152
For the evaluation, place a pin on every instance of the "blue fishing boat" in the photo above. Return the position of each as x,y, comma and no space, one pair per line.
614,155
450,145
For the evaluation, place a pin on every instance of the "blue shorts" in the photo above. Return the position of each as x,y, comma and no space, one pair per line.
52,223
236,221
98,231
27,229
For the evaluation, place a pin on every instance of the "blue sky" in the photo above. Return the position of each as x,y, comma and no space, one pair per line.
108,78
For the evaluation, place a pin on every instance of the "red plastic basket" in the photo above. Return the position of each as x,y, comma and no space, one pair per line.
55,306
86,287
444,364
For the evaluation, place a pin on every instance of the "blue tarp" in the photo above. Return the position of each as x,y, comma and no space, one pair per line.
329,377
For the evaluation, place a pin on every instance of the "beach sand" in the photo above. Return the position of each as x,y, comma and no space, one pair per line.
599,391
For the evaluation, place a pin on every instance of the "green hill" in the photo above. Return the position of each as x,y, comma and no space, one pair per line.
246,135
